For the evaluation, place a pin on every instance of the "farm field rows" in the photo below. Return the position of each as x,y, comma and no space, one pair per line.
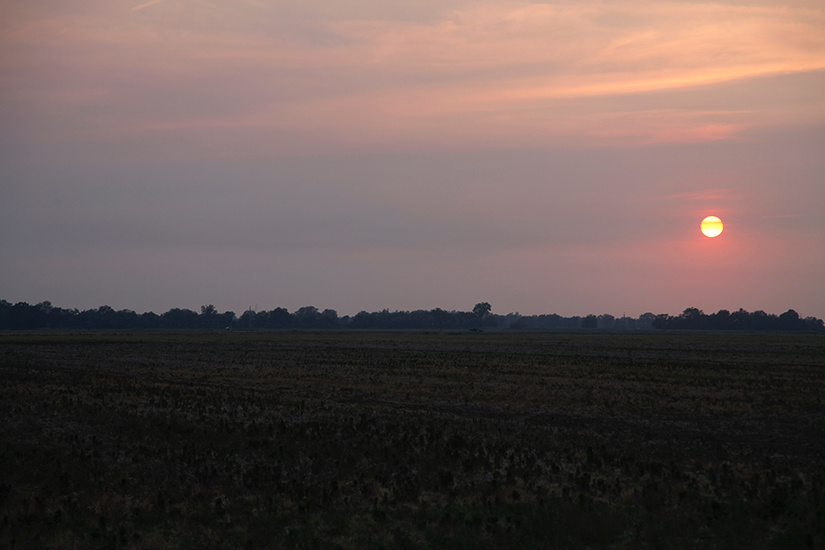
412,440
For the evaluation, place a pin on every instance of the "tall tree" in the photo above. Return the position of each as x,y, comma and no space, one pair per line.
482,309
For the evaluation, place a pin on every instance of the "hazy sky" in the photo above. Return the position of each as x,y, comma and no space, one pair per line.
369,154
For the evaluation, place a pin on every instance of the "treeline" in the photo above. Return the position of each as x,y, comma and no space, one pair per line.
23,316
723,319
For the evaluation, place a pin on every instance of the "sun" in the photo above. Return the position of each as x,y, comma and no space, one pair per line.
712,226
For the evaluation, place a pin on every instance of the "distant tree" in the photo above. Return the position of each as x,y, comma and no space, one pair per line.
789,320
692,314
228,319
438,317
307,317
812,323
209,317
512,318
482,309
279,318
247,319
720,320
518,324
591,321
605,321
624,323
5,314
149,319
328,319
646,320
179,318
25,316
362,320
760,320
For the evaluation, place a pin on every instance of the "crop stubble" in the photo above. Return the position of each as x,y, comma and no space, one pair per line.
412,439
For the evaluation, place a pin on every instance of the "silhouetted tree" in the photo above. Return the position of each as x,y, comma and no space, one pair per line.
278,318
606,321
209,317
646,320
247,319
328,319
789,320
307,317
481,309
519,324
179,318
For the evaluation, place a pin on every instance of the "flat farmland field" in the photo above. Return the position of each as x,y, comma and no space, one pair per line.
412,440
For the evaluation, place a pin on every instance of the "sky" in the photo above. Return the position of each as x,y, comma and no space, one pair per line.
545,157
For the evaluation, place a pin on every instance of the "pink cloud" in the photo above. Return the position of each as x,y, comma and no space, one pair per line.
482,72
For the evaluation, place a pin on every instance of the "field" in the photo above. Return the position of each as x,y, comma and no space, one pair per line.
412,440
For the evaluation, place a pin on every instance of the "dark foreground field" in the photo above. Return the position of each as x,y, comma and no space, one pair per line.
412,440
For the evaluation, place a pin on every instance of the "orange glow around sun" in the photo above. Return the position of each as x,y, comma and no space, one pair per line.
712,226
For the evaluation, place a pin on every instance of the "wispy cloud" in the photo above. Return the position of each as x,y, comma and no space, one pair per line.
703,195
512,70
147,4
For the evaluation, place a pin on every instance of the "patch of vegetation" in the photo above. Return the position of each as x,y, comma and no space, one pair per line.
412,440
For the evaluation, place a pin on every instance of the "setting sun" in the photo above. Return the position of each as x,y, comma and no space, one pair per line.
712,226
